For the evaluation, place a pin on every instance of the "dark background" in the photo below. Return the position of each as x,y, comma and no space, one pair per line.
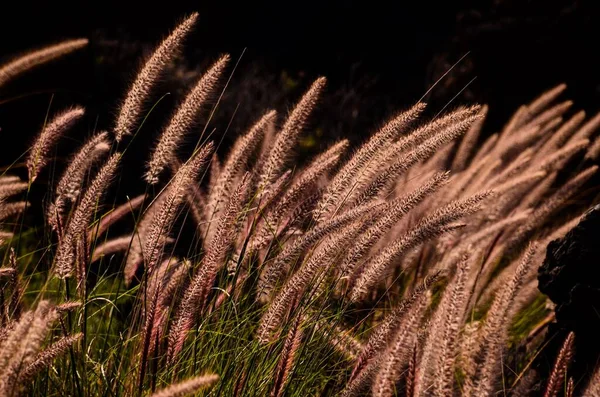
378,56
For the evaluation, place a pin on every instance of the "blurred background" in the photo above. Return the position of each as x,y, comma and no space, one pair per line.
379,57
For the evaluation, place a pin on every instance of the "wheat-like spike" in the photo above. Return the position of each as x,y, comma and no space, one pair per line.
550,114
53,130
187,387
494,331
135,255
299,282
215,172
266,146
379,338
11,209
72,179
30,60
182,121
10,189
541,102
438,161
519,183
117,214
310,175
547,130
551,205
397,356
11,342
468,143
194,298
411,372
365,154
155,283
133,105
237,159
430,366
341,339
265,198
435,127
287,137
7,276
593,151
481,175
307,179
396,210
517,143
425,379
357,386
454,312
160,278
533,198
4,236
487,287
468,347
515,121
196,201
67,306
422,135
387,366
421,152
586,130
490,230
167,297
112,246
593,387
46,356
268,195
414,143
80,220
164,218
43,317
562,135
555,161
291,251
559,371
4,179
287,358
488,146
293,222
429,227
527,382
512,169
70,183
570,388
15,304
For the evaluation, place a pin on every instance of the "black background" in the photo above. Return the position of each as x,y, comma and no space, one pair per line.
378,56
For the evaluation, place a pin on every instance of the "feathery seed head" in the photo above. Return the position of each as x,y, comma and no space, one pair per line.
184,118
40,150
133,105
187,387
287,137
32,59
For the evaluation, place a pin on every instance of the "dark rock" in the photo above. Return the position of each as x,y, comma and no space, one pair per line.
570,277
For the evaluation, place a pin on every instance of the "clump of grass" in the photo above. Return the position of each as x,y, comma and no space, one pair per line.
407,266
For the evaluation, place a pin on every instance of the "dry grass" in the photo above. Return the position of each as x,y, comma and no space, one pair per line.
396,269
